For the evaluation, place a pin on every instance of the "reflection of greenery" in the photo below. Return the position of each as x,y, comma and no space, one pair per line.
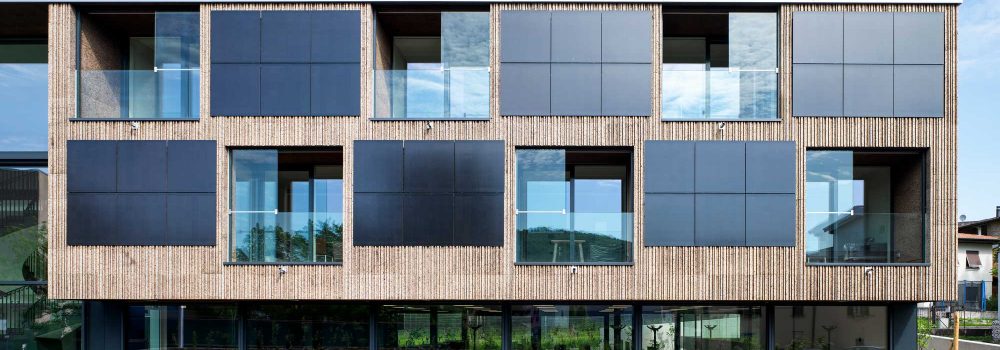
292,245
582,333
535,244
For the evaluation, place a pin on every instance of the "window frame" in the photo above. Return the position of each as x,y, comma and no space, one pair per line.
683,10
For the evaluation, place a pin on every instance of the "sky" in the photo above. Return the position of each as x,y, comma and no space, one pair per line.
979,108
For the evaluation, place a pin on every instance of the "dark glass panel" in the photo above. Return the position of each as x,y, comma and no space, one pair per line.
565,327
476,327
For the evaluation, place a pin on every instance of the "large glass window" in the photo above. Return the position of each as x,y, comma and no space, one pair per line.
564,327
139,64
831,327
341,327
432,64
865,207
287,205
471,327
181,327
703,327
720,65
24,78
574,206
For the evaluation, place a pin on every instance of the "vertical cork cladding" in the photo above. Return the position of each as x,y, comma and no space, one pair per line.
479,273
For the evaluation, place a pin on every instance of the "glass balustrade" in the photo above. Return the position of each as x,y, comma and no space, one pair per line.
453,93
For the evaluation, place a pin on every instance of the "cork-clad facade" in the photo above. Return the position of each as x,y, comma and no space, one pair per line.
633,157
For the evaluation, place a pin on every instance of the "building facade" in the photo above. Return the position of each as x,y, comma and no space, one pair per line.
975,276
480,175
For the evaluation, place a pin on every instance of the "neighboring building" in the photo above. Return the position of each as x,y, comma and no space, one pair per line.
484,175
976,282
984,227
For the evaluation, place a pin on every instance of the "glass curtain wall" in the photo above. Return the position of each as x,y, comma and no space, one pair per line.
831,327
295,327
432,65
720,65
287,206
472,327
865,207
565,327
139,65
574,206
181,327
703,327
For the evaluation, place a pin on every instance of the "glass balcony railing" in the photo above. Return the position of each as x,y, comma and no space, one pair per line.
273,237
865,238
568,237
453,93
690,91
138,94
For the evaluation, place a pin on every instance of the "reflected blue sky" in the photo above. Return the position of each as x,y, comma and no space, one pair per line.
24,111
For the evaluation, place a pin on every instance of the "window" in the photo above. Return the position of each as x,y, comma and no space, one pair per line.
181,327
25,77
831,327
865,207
720,65
571,327
139,64
972,259
287,205
295,326
574,206
440,327
970,295
432,64
703,327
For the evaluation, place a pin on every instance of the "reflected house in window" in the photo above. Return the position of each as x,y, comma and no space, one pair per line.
139,63
831,327
720,65
432,64
287,206
865,207
574,206
703,327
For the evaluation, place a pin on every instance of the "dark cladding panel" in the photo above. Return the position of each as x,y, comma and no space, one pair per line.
479,166
576,89
817,90
191,219
235,37
817,37
235,89
142,219
576,36
918,38
770,220
142,166
91,218
479,220
625,37
868,90
669,220
525,36
285,90
625,89
378,219
91,166
918,90
669,166
868,37
525,89
285,37
720,167
770,167
336,36
335,89
428,166
191,166
378,166
720,220
428,219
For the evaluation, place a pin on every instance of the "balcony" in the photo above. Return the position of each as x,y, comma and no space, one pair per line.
854,237
720,66
574,237
432,63
135,63
310,237
436,93
692,91
139,94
